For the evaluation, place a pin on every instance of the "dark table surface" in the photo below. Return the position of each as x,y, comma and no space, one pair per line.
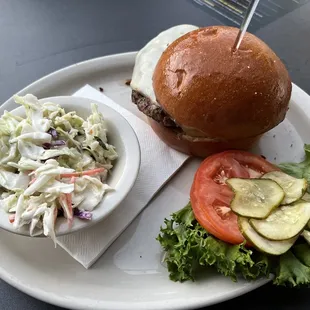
38,37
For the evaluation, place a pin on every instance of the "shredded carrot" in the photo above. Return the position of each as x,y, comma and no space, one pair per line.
32,181
79,174
70,209
66,203
55,215
69,201
12,218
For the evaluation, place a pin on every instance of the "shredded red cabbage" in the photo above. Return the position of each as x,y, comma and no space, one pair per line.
52,144
58,142
84,215
53,133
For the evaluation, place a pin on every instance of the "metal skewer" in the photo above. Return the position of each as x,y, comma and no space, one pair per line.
245,23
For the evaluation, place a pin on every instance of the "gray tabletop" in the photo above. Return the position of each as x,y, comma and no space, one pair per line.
40,36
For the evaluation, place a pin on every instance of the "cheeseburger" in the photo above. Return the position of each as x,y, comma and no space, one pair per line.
202,97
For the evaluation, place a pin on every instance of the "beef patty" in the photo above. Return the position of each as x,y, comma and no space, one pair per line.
152,110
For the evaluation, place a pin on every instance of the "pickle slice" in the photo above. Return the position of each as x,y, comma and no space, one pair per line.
293,188
255,198
262,244
285,222
306,197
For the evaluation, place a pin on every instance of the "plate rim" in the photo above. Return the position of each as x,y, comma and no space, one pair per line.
158,305
298,95
130,54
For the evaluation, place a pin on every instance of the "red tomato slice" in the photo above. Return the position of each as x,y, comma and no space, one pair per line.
211,197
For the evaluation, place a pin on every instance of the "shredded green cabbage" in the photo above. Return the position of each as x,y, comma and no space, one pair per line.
41,157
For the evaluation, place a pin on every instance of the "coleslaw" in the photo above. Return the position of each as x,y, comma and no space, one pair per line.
53,163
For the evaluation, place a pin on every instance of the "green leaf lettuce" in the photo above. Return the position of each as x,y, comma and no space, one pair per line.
299,170
189,248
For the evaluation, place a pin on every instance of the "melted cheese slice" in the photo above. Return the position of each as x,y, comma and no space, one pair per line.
148,57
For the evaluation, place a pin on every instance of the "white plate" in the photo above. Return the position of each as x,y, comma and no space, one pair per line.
129,275
122,176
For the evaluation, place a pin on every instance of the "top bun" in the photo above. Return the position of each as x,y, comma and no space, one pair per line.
212,91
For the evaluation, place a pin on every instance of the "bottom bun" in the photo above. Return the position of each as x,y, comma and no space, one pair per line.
200,148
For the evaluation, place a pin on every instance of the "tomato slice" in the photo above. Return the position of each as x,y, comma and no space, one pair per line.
211,197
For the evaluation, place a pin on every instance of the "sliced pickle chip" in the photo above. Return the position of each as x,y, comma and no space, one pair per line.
293,188
262,244
285,222
255,198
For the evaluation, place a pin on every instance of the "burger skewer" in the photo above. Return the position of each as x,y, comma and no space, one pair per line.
245,23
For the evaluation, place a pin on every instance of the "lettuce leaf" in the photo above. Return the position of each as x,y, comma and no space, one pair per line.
189,248
299,170
291,270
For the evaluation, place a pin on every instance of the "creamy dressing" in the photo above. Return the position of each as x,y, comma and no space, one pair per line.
88,193
12,181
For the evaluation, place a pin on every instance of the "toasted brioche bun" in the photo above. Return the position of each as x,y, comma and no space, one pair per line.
199,147
228,97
